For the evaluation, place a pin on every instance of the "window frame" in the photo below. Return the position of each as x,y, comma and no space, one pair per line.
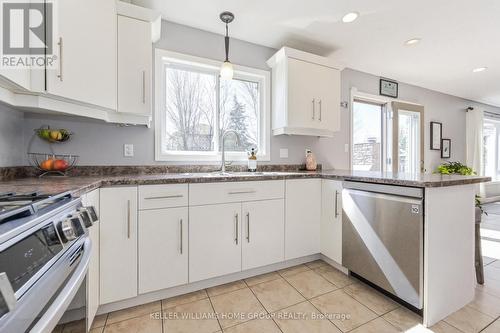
162,59
496,122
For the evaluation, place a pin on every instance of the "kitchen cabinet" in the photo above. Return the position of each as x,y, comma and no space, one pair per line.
92,280
118,244
263,233
86,52
162,248
306,94
302,217
135,57
215,240
331,219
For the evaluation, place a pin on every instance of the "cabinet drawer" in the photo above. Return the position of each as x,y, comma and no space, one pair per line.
214,193
163,196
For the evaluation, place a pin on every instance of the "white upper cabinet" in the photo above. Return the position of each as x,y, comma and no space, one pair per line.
306,94
86,52
135,63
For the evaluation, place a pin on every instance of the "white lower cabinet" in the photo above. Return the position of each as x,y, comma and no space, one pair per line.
303,217
263,233
331,220
215,240
118,244
162,248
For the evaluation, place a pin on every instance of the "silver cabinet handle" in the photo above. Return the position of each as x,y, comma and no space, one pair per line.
180,236
60,43
7,292
143,87
248,227
242,192
128,218
320,109
236,229
314,108
336,204
165,197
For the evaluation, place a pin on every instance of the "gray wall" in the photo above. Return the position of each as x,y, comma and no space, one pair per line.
102,144
11,137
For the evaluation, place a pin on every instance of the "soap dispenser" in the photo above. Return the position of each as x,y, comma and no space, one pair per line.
252,160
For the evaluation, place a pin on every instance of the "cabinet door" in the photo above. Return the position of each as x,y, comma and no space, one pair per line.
263,233
328,92
215,240
118,233
87,52
134,65
331,220
302,94
92,199
302,217
163,248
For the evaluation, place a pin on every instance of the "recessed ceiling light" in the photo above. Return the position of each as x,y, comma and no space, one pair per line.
350,17
479,69
412,41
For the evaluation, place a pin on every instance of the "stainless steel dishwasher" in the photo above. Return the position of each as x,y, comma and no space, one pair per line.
382,237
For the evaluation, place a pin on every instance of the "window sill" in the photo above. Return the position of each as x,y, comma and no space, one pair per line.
208,158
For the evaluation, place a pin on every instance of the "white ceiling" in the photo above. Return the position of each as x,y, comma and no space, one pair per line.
457,36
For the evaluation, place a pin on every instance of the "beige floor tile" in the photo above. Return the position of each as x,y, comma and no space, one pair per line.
375,301
143,324
135,311
293,270
493,328
97,330
303,317
255,326
354,314
403,319
99,321
488,260
236,307
490,286
492,272
194,317
335,276
276,295
226,288
310,284
184,299
444,327
77,326
486,303
378,325
316,264
262,278
469,320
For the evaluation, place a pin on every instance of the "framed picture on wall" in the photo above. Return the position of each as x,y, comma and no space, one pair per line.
436,135
388,88
445,148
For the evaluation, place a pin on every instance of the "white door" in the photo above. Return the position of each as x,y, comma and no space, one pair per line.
163,248
302,217
118,244
328,85
331,220
303,110
135,58
87,52
92,199
263,233
215,240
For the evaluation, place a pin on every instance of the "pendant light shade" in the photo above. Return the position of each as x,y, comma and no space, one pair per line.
226,70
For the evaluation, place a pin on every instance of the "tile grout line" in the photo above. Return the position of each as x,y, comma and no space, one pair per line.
213,308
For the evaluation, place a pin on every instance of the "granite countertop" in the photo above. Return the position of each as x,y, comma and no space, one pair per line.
81,184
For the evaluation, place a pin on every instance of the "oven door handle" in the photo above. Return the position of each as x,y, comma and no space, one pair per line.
54,313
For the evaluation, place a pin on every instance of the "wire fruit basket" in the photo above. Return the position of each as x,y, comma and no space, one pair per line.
55,164
53,135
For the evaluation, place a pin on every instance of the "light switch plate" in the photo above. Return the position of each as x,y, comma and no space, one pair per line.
283,152
128,150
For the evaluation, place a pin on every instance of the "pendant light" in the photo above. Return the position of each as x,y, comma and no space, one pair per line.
226,70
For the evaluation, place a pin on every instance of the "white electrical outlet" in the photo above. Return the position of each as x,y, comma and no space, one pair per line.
283,152
128,150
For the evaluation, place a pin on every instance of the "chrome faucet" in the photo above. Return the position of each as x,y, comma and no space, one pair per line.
223,163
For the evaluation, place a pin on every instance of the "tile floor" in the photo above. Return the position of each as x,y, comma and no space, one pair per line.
313,297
